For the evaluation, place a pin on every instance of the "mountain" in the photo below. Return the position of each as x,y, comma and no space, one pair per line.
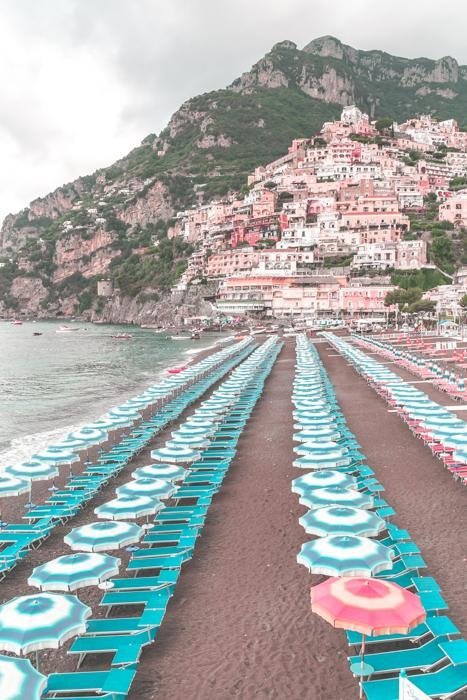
114,222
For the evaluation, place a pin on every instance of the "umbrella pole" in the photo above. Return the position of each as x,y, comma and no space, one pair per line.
362,654
37,660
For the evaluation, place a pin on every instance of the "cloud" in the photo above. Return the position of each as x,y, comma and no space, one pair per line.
83,81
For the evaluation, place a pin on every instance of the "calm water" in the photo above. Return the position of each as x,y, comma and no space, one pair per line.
53,382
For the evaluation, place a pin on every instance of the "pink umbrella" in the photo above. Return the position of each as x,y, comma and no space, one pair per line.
370,606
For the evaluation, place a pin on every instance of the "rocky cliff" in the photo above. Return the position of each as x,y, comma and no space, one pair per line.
113,223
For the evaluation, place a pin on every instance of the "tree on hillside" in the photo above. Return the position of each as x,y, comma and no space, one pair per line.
403,298
384,124
463,301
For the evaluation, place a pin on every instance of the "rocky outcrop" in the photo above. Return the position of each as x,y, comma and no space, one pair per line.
29,292
155,204
90,257
170,310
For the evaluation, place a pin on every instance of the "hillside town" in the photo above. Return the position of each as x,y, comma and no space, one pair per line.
318,230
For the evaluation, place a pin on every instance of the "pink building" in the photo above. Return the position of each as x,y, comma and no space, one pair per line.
229,262
455,209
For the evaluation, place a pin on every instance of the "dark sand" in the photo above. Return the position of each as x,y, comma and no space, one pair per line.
426,498
240,623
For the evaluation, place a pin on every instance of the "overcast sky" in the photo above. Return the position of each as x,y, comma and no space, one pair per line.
83,81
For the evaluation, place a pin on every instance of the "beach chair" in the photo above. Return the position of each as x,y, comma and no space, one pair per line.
118,625
444,683
115,682
126,648
421,658
437,626
154,600
166,578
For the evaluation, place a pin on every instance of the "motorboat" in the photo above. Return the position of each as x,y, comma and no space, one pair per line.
66,329
37,333
122,336
16,322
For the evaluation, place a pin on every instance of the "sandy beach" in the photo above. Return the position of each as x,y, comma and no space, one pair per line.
239,623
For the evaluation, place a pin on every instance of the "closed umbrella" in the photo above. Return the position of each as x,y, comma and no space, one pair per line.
367,605
345,555
19,680
74,571
103,535
342,520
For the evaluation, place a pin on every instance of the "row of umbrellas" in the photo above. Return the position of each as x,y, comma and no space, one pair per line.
416,362
47,620
340,516
436,420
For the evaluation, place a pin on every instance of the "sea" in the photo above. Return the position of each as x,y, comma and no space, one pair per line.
55,382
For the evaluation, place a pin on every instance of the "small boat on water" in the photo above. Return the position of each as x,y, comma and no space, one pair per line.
37,333
180,337
122,336
195,335
176,370
66,329
16,322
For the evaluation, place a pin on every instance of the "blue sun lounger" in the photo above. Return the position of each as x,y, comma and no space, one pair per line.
116,682
444,683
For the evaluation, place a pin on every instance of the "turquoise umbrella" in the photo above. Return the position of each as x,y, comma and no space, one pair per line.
169,472
194,430
312,423
449,420
109,422
443,431
103,535
460,456
128,508
345,555
320,479
316,433
336,495
89,435
200,423
125,411
196,442
19,680
458,441
34,470
319,447
322,460
56,456
342,520
42,621
177,455
11,485
155,488
74,571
